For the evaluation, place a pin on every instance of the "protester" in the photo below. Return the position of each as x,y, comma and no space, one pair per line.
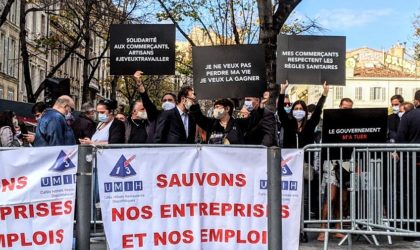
140,126
85,126
7,130
331,179
299,131
263,131
109,129
409,132
222,128
279,128
407,107
177,125
394,118
52,129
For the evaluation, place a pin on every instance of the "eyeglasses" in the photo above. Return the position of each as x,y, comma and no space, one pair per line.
287,104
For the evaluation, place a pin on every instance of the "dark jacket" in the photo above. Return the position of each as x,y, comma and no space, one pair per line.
409,129
393,123
233,132
261,130
293,138
116,132
52,130
83,127
152,116
170,129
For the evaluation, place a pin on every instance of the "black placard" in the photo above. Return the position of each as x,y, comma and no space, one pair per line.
229,71
311,59
368,125
146,47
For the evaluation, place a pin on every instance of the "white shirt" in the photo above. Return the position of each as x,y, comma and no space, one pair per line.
185,120
102,135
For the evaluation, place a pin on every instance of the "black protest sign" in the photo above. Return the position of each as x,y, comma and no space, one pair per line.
311,59
367,125
146,47
229,71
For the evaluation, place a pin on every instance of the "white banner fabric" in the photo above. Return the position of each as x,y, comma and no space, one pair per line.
38,187
184,197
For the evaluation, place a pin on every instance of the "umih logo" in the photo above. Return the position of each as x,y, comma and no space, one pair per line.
123,168
285,170
63,162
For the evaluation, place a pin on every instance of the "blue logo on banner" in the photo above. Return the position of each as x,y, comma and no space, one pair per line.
285,170
123,168
63,162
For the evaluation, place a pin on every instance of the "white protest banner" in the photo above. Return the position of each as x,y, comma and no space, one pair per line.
38,187
184,197
291,181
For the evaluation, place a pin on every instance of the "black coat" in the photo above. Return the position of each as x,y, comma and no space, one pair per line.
261,130
393,123
409,129
116,132
170,129
83,127
233,129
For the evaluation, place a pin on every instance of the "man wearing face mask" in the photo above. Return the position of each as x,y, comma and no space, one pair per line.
222,128
394,118
177,125
261,130
141,126
52,129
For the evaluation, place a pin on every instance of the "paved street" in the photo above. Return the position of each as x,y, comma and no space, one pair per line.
358,243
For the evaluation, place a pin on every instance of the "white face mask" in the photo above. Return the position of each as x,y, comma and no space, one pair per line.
188,104
218,113
248,105
400,114
142,115
395,109
168,105
299,114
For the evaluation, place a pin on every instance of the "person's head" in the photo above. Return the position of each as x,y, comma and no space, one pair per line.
120,116
138,111
287,103
168,101
186,98
346,103
6,119
222,108
300,110
407,106
65,105
105,110
251,103
37,109
417,99
89,110
396,101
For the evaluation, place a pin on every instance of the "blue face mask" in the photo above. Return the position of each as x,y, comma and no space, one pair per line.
102,117
288,109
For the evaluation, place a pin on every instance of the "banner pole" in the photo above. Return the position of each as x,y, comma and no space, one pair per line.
83,197
274,199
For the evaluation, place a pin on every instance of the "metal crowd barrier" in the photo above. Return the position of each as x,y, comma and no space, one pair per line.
89,224
364,189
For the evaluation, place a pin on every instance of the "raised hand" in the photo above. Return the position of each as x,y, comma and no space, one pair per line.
283,87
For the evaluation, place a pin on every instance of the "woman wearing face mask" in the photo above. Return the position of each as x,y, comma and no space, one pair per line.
7,130
222,128
109,129
299,131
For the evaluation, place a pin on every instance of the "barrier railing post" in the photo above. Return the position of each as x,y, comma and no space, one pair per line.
274,199
83,197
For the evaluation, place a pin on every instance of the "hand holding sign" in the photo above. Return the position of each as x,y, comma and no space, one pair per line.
137,77
283,87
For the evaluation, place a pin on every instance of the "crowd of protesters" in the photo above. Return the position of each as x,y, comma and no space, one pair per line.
180,120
